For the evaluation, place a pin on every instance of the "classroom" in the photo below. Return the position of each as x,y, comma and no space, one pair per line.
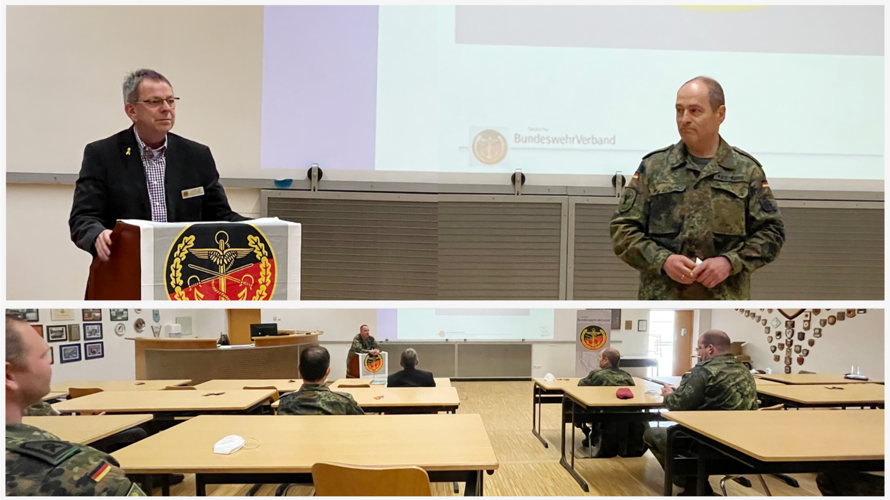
451,393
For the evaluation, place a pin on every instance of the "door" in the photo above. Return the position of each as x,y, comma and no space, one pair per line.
683,322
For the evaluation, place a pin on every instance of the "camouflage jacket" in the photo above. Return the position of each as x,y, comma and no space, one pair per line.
673,206
720,383
360,345
39,463
607,377
41,409
314,399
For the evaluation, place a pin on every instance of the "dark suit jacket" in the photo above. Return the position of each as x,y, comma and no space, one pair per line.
112,186
411,377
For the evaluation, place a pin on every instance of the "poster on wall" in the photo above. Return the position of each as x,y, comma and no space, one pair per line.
593,334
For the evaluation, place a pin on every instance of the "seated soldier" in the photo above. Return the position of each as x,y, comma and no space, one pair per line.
718,382
314,397
37,462
610,375
410,376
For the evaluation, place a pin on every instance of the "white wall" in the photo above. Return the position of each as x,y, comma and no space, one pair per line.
119,360
855,341
41,261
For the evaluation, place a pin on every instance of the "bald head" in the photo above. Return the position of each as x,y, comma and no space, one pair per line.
711,86
610,356
713,343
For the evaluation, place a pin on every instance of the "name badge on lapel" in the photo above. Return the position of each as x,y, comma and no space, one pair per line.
191,193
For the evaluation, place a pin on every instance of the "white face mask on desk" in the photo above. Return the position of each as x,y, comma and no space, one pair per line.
228,445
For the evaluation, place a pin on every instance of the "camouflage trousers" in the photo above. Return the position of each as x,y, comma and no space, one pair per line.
656,440
849,483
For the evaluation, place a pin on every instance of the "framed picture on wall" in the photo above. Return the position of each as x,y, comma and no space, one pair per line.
74,333
69,353
642,325
52,359
38,329
616,319
92,331
93,350
57,333
61,314
29,315
92,314
118,314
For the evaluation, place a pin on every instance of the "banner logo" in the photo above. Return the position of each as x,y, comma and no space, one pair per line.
373,363
593,338
220,262
490,147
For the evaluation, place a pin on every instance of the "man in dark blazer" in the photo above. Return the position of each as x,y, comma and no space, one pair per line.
410,376
144,172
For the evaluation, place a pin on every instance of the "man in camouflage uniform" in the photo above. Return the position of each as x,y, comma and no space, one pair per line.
609,375
718,382
314,397
698,199
362,343
37,462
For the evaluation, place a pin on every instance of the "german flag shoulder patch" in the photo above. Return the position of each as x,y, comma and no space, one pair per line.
100,471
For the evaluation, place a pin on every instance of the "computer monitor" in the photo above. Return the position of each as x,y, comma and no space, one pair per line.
263,330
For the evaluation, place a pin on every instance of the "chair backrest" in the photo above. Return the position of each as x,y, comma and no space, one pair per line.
180,388
804,371
332,479
76,392
264,387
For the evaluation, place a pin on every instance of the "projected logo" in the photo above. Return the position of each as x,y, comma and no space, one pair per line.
489,147
593,338
205,263
373,363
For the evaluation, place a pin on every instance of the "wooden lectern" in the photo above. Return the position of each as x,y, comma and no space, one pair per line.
251,260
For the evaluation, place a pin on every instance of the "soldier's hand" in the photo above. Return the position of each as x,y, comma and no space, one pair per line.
667,389
713,271
680,269
103,245
374,352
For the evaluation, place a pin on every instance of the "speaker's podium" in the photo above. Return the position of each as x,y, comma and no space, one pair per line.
252,260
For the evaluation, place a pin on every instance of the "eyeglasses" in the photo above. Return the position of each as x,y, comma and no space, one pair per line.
154,103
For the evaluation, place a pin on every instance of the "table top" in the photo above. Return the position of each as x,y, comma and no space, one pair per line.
292,444
383,397
561,384
86,429
163,401
675,381
366,382
814,378
118,385
849,394
785,436
282,384
54,395
644,396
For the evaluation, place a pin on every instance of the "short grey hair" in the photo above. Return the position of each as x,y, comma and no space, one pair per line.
15,345
409,357
715,91
134,78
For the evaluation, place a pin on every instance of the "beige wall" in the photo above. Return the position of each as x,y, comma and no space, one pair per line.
41,261
65,66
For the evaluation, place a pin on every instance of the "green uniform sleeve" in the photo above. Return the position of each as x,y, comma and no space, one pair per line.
690,394
589,380
766,229
355,408
41,409
629,225
373,344
356,345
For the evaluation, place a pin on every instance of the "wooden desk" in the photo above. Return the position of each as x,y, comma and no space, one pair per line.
282,384
771,442
54,395
675,381
86,429
292,339
814,378
118,385
402,399
544,392
802,396
165,401
282,449
366,382
601,405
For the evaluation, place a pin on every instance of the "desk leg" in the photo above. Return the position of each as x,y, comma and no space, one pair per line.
165,485
456,487
702,475
147,485
669,464
536,406
562,459
472,485
200,487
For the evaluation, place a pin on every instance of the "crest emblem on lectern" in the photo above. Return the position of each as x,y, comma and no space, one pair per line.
373,363
593,337
220,262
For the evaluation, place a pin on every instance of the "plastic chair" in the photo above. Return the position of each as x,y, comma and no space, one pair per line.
332,479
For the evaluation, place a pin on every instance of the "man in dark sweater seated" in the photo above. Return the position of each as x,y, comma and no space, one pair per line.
410,376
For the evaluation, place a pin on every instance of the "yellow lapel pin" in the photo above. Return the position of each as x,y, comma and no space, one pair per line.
128,152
